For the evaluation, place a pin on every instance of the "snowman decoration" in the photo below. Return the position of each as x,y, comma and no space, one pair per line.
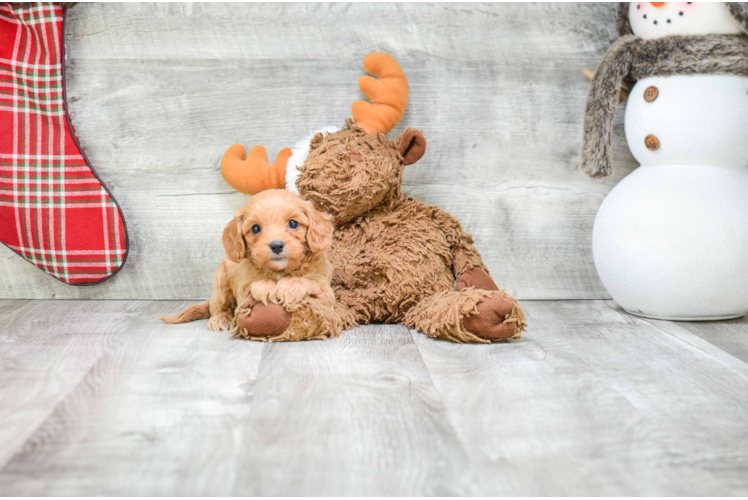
670,241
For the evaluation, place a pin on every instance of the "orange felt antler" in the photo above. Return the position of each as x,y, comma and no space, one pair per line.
252,173
388,93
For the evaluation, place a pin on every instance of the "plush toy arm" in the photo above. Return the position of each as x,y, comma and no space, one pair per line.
310,318
465,257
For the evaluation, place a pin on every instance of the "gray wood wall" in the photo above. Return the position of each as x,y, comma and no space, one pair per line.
159,91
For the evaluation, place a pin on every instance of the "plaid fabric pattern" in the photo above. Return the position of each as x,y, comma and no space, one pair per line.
54,212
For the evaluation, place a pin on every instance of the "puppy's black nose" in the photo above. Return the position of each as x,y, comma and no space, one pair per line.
276,246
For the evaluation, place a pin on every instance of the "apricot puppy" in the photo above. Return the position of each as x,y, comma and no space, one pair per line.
276,252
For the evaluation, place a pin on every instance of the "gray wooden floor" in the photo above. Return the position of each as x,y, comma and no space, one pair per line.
97,398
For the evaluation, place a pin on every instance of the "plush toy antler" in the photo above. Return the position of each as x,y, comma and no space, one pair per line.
388,93
252,173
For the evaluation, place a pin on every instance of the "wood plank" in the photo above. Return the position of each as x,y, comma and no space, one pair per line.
730,335
159,91
100,399
158,415
357,415
48,347
596,402
176,410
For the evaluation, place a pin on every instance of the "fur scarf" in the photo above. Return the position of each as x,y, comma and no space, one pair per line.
630,59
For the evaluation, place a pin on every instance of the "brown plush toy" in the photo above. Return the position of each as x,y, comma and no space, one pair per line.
395,259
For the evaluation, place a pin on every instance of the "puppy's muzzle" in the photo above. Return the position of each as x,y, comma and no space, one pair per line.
276,246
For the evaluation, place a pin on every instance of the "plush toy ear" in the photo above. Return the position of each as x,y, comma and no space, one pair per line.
233,240
319,231
412,145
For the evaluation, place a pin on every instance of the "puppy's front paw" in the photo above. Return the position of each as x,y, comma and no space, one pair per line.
291,291
221,321
262,290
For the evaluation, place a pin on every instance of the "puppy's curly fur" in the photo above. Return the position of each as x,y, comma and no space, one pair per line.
276,252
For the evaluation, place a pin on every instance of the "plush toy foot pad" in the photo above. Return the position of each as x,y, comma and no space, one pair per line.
494,320
262,321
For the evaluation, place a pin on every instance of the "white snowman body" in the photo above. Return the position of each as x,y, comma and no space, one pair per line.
671,239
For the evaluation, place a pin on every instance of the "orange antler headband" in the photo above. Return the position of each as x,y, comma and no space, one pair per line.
388,92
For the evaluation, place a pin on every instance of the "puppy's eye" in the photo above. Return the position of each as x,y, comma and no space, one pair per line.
293,224
256,229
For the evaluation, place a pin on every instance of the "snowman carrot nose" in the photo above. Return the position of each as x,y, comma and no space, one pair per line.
658,4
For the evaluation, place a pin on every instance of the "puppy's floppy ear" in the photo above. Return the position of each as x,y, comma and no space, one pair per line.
233,240
319,231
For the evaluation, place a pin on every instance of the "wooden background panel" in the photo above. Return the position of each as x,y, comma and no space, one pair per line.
158,92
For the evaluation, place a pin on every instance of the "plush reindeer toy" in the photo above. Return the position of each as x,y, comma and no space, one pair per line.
395,259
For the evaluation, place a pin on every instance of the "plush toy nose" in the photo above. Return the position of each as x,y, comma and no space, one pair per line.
276,246
658,4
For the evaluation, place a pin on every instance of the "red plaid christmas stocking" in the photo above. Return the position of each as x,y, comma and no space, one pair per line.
54,210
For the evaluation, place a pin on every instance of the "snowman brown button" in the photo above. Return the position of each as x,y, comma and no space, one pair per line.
652,142
650,94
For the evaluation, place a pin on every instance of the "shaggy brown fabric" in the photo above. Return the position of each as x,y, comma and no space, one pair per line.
394,258
630,59
311,319
345,186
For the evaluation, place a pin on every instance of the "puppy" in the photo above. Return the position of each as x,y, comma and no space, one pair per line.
275,251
